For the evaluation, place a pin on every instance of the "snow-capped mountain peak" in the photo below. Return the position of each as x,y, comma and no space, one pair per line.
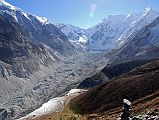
8,5
76,35
12,10
110,33
37,27
148,8
114,30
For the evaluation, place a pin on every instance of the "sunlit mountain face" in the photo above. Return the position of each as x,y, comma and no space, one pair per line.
81,13
82,60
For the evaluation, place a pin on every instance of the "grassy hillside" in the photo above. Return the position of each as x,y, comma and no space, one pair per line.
140,85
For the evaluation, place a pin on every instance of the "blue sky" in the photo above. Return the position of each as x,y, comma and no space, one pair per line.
82,13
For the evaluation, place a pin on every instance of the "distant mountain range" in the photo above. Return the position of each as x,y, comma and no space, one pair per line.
40,60
110,33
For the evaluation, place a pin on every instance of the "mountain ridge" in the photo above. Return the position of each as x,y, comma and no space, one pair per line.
40,60
39,28
113,31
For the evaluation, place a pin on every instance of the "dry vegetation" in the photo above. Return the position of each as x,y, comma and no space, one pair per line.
141,86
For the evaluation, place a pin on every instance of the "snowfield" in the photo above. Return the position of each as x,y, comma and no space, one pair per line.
53,105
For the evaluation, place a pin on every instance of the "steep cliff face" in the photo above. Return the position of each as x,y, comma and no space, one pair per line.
26,58
21,56
113,31
142,43
39,29
16,48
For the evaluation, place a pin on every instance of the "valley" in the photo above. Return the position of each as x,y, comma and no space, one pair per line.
63,72
57,83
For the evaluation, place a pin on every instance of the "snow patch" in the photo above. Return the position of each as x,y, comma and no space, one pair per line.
43,20
50,106
83,39
25,14
148,8
53,105
8,5
121,42
73,91
133,22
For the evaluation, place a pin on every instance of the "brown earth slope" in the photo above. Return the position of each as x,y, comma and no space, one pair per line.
141,85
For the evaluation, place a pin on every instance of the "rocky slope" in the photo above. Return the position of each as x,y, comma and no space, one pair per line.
38,28
36,62
42,85
142,43
35,58
23,59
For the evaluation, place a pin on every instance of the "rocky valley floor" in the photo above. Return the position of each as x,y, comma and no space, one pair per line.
57,82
